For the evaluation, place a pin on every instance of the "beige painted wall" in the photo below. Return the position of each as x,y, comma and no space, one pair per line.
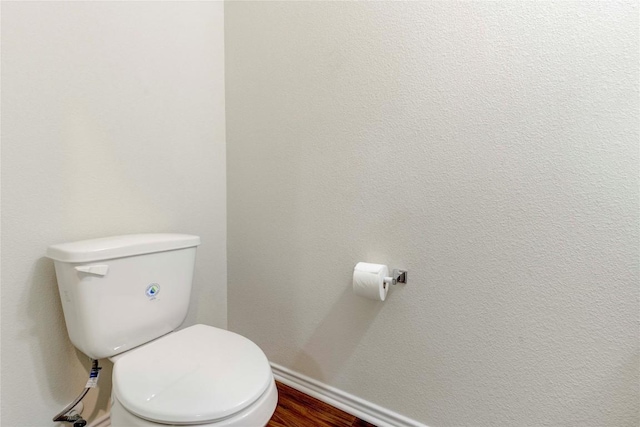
112,123
491,148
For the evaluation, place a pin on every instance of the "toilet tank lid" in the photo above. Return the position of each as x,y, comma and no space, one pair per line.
120,246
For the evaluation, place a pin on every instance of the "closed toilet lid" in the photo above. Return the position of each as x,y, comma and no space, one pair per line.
196,375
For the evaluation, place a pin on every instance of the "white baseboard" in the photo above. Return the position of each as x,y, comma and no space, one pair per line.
102,421
365,410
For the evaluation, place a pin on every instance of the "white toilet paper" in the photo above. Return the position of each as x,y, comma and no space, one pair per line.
368,280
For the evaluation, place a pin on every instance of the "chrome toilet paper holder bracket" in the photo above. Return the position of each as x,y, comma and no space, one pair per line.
397,276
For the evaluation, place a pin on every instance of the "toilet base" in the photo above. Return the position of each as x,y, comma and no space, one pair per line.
256,415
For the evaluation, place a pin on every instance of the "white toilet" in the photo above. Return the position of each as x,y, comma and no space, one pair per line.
122,298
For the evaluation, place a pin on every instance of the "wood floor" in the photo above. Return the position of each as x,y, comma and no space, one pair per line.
297,409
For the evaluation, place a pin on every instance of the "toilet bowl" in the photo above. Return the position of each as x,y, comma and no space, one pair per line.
200,375
257,414
123,298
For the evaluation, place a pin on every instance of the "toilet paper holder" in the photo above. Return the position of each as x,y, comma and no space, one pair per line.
397,276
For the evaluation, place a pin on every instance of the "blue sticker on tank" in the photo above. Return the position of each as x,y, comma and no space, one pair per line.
152,290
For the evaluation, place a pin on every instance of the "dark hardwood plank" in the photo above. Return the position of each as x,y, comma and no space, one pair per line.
361,423
296,409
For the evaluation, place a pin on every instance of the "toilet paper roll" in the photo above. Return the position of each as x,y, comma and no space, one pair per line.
368,280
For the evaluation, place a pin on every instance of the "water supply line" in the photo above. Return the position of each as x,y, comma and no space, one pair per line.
68,414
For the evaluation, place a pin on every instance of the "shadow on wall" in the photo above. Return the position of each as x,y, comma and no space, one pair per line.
342,328
61,378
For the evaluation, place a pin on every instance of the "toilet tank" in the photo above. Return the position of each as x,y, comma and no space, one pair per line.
120,292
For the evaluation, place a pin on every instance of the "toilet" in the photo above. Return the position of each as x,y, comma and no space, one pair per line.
123,298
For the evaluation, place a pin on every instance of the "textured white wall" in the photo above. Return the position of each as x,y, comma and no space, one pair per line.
112,123
491,149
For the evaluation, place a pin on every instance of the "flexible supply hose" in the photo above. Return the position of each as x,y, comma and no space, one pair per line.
77,419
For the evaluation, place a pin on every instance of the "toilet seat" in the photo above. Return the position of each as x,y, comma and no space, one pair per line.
198,375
